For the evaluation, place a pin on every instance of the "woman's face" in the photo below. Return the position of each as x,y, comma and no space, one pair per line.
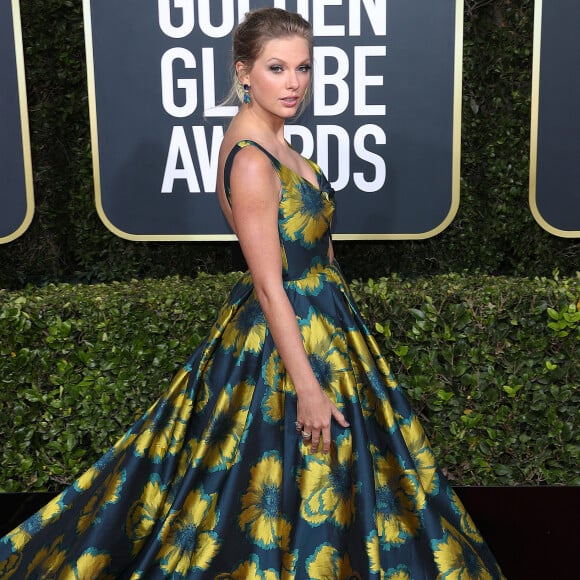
280,76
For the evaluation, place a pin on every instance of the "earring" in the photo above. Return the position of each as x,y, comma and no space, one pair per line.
247,94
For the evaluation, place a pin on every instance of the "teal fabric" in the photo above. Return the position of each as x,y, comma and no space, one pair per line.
215,482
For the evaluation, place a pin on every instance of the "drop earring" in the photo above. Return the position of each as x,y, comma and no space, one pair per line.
247,94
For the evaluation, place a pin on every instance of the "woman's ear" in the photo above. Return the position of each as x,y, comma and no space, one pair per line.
242,73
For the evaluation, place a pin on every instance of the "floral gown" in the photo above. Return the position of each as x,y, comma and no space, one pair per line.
215,482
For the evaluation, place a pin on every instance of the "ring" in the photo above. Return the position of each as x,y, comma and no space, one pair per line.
299,426
306,435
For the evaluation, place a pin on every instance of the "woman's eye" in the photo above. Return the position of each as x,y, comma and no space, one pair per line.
276,68
305,68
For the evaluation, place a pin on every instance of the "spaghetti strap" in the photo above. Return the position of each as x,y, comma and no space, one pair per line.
230,160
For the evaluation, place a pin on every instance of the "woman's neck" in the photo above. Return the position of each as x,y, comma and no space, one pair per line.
271,126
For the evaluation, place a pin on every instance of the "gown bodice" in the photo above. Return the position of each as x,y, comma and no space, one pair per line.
304,216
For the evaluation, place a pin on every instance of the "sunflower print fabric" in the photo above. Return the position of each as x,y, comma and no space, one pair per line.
214,482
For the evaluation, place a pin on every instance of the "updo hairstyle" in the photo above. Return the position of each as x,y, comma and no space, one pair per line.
257,28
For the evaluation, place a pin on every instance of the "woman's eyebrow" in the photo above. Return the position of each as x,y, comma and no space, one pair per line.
282,61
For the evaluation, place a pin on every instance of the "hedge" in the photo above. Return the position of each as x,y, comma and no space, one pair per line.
493,232
489,363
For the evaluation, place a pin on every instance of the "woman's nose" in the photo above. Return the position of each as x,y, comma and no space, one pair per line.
292,80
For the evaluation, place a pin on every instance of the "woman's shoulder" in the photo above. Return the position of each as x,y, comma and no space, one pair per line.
240,146
246,162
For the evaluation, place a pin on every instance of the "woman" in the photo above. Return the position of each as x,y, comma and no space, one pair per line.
247,466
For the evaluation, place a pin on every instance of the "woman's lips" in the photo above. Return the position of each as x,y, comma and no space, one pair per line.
290,101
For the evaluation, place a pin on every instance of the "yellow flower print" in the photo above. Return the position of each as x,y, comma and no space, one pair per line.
189,458
311,282
221,440
273,406
19,537
150,508
305,214
326,486
49,513
373,361
279,384
261,516
422,454
123,443
165,428
468,526
326,564
87,479
373,369
9,565
284,258
399,500
373,396
249,570
89,566
373,551
201,396
204,369
401,572
455,558
239,293
47,561
246,331
381,362
52,510
108,493
289,565
326,349
188,537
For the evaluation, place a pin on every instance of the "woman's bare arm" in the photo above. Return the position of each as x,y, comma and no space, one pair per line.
255,195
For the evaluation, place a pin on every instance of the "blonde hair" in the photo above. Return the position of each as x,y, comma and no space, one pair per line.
257,28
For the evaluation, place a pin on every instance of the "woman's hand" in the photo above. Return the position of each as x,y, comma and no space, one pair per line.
314,415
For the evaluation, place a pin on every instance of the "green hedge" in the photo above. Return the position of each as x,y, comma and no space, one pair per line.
493,232
490,364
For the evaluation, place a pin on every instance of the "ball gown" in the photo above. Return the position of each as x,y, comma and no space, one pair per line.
215,482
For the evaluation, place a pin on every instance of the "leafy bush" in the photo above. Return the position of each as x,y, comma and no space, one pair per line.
488,363
78,365
491,365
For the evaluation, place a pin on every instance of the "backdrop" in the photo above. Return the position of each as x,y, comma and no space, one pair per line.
384,123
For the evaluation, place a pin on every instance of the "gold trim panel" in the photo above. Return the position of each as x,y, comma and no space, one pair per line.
534,130
24,125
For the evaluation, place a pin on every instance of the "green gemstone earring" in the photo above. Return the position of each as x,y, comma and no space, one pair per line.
247,94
